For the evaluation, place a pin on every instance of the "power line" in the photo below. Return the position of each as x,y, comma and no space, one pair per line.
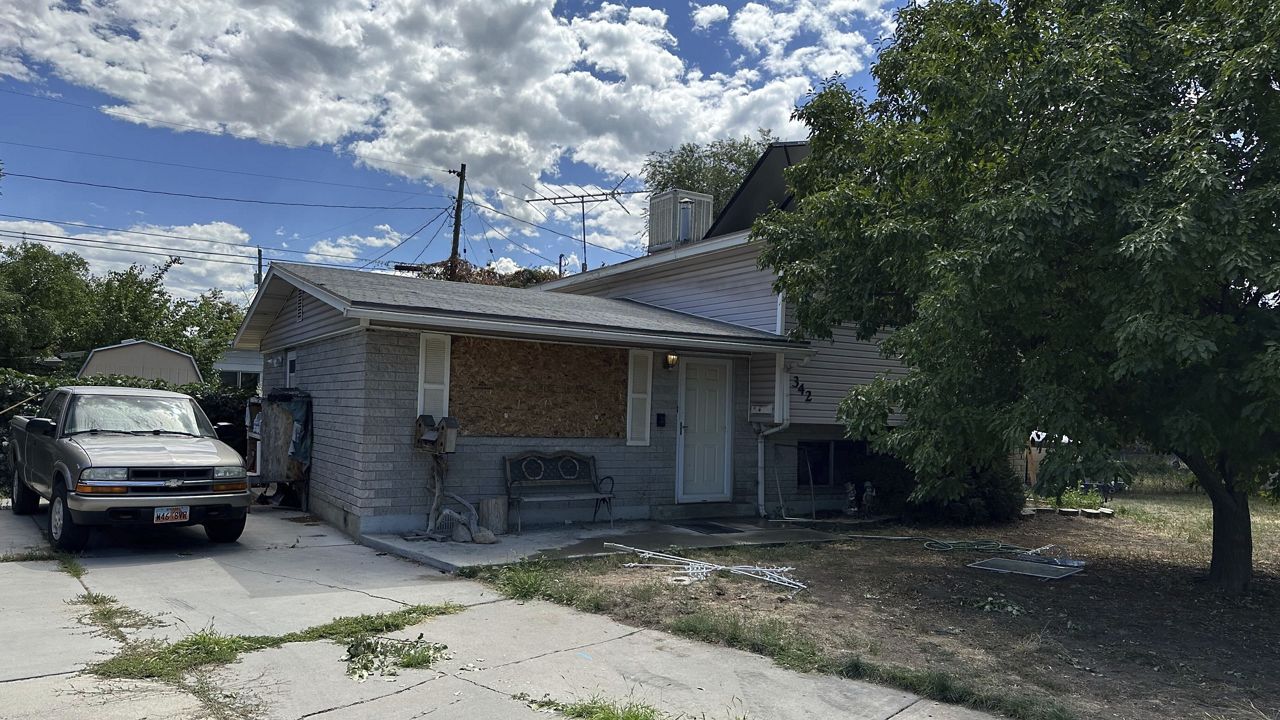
219,131
407,238
473,212
253,201
217,170
171,237
550,230
518,244
84,242
156,250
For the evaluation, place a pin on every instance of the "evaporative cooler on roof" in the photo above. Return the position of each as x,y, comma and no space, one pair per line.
677,217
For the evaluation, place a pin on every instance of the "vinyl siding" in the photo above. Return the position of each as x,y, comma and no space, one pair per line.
836,366
318,318
724,286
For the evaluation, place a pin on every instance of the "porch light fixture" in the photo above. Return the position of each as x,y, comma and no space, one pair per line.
669,362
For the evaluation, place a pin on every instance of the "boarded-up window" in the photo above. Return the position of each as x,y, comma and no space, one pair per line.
512,388
639,392
433,375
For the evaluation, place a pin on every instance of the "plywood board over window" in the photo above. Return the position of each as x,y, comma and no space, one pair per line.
510,388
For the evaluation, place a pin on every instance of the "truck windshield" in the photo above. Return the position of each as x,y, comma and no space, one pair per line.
136,414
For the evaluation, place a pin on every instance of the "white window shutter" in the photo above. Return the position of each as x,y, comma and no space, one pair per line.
433,375
639,396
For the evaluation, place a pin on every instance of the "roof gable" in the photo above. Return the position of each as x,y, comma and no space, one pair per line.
764,188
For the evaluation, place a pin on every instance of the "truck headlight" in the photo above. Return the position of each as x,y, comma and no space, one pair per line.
228,471
99,473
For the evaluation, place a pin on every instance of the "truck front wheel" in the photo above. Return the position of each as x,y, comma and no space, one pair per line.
25,501
67,535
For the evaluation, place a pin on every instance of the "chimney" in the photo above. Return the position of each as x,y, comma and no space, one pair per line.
678,217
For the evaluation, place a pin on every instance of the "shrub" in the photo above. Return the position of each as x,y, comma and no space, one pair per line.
992,494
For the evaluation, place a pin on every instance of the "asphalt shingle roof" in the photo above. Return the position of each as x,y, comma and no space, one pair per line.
380,291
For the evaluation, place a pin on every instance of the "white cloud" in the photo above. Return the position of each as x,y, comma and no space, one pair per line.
704,16
507,86
350,248
505,265
204,265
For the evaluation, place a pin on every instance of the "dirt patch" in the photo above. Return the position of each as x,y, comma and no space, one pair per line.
1139,634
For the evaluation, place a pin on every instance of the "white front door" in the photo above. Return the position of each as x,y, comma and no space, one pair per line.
704,467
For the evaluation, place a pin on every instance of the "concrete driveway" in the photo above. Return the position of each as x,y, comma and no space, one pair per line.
289,572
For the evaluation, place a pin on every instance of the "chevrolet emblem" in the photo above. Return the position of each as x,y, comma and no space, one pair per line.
173,483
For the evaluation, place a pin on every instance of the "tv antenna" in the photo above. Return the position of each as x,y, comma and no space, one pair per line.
584,198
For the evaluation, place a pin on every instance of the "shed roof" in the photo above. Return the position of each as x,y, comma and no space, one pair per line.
492,310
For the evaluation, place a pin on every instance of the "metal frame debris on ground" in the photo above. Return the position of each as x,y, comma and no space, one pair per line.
688,570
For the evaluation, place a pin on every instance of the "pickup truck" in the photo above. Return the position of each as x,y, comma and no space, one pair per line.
125,456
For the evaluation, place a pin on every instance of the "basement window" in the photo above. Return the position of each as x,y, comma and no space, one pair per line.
828,462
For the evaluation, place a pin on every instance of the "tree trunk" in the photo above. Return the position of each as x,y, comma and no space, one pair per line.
1231,568
1232,564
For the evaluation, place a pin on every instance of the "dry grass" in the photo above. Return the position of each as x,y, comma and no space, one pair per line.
1140,634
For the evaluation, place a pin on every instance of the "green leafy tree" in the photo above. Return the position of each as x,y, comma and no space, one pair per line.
204,328
131,304
1064,215
43,299
716,168
485,275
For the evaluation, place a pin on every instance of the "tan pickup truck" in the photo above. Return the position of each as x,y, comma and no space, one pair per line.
125,456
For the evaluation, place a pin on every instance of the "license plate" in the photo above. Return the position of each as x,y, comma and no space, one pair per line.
177,513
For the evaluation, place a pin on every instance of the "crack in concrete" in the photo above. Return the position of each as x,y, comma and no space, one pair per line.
317,582
38,677
563,650
357,703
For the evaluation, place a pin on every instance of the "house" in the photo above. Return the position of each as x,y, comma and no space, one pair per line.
675,371
144,359
239,368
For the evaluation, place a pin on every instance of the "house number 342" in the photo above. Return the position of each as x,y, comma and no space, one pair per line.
799,388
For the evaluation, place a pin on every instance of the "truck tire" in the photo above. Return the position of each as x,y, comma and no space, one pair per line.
224,531
25,501
63,530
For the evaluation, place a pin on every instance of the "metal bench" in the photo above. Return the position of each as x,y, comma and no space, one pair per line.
564,476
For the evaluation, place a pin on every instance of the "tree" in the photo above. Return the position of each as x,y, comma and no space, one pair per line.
485,275
716,168
204,328
130,304
43,298
1065,216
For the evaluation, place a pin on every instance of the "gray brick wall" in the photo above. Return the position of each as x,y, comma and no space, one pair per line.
332,371
395,472
368,476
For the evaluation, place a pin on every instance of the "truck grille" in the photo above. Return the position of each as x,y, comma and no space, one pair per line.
159,481
185,474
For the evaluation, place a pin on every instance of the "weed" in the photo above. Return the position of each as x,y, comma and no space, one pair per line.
67,563
536,580
160,660
368,655
29,556
110,617
997,603
792,650
597,708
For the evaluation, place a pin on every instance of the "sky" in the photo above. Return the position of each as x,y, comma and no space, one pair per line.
325,130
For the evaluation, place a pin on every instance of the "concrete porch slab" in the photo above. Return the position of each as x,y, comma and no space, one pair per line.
587,540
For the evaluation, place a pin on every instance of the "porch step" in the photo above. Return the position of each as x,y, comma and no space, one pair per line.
694,511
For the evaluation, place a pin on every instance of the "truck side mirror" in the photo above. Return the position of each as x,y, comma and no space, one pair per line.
225,431
43,426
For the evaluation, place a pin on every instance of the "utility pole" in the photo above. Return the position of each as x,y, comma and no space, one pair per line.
451,269
257,276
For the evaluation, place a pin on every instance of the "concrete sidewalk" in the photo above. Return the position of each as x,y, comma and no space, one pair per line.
290,572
